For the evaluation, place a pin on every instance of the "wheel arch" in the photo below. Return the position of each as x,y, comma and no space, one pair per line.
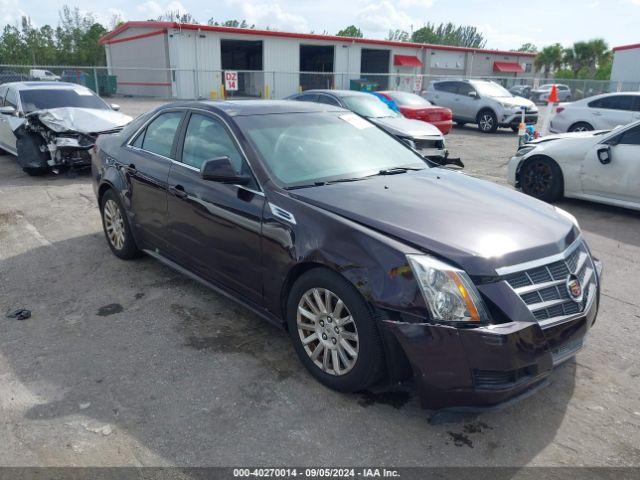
486,109
537,157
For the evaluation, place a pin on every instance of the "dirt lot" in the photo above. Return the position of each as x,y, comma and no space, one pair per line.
129,363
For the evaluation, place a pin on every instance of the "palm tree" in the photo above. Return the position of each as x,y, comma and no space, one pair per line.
549,58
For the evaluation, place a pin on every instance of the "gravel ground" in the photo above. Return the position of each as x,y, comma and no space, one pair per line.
130,363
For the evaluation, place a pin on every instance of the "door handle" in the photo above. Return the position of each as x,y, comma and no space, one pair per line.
131,168
597,114
178,191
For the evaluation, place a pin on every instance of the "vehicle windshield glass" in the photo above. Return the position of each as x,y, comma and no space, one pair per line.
489,89
408,99
305,148
43,99
368,106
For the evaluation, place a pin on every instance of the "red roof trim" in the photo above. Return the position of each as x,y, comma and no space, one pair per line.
626,47
134,37
507,67
304,36
406,61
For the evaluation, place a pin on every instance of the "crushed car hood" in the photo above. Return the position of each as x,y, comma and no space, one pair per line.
406,127
476,224
81,120
593,134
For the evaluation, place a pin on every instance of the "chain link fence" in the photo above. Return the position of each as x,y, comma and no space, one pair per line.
176,83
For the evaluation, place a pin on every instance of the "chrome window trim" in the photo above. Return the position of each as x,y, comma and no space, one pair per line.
540,261
145,125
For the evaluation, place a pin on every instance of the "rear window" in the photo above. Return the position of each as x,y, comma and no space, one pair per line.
43,99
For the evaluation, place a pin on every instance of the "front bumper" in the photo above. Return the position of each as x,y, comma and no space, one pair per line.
486,366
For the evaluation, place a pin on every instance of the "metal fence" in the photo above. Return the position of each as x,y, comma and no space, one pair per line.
193,83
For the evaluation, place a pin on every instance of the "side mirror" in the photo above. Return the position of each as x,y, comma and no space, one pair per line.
473,94
8,110
115,106
604,155
220,170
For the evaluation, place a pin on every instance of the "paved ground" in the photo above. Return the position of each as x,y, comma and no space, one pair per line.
129,363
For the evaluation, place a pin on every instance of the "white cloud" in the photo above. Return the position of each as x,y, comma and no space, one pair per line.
383,16
502,39
153,9
271,15
10,12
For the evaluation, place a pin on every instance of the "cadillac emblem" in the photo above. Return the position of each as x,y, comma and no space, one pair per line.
574,288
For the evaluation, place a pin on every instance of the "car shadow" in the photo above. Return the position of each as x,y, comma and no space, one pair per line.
135,355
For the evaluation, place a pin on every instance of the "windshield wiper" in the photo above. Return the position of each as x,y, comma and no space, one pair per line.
397,170
329,182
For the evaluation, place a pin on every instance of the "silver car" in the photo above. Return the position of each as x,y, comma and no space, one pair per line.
541,94
486,103
597,113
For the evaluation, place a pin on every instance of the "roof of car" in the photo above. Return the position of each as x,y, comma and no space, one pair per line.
37,85
338,93
236,108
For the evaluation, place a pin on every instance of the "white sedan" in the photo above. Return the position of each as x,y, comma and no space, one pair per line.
598,112
601,166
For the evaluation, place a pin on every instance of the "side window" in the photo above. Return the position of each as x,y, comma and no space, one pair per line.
207,138
464,88
615,102
448,87
630,137
12,98
328,100
160,133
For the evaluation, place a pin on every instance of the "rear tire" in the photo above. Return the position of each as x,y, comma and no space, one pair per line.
117,230
541,178
339,321
460,124
580,127
487,121
35,172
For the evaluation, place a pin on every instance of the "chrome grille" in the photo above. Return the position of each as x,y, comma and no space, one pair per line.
543,288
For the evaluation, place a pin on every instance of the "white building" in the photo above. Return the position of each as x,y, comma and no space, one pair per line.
166,59
625,71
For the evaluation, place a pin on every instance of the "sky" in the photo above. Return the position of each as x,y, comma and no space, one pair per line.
505,25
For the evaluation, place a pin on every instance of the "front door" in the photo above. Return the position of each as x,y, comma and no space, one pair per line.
620,178
609,112
215,228
146,169
466,106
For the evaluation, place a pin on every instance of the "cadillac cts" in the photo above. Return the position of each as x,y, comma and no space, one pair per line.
384,268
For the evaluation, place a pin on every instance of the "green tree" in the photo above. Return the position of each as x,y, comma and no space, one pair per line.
350,31
398,35
231,23
550,58
449,34
176,16
528,48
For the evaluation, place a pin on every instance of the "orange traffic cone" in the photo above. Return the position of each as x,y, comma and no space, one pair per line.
553,95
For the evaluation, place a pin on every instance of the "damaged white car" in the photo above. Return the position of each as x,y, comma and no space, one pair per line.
52,126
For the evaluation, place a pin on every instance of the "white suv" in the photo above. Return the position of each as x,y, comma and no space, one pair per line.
482,102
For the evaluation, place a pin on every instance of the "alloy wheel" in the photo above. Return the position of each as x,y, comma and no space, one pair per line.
486,122
538,179
114,224
327,331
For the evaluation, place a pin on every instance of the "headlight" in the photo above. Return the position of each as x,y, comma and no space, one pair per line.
409,142
523,151
448,291
566,214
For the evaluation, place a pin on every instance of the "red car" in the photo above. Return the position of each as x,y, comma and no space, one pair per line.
414,106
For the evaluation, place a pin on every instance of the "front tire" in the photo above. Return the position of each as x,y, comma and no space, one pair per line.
581,127
541,178
116,227
333,331
487,121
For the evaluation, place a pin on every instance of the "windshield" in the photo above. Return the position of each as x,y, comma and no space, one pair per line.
43,99
306,148
368,106
408,99
490,89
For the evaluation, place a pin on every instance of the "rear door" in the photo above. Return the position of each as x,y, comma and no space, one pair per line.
7,122
146,167
215,228
611,111
444,94
620,178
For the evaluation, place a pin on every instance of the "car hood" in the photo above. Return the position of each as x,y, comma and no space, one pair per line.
81,120
406,127
517,102
473,223
593,134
